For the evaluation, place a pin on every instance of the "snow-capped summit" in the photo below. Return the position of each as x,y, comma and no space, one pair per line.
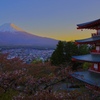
10,34
10,27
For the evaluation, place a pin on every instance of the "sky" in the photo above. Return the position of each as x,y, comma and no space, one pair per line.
55,19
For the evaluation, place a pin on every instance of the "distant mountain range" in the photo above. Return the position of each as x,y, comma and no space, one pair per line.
11,35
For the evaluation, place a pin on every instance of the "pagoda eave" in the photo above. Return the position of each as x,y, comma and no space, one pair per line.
90,25
79,60
88,77
91,40
84,42
88,28
93,58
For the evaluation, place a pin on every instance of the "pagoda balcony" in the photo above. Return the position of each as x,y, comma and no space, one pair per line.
95,51
95,34
92,69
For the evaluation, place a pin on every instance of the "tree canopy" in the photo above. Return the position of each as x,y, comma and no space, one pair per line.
65,50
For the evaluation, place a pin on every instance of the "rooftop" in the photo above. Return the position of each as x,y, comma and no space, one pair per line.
89,40
88,77
88,58
90,25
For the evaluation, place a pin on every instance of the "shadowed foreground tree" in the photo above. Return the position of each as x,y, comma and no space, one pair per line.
19,81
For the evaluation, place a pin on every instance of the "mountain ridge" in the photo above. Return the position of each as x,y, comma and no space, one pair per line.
11,34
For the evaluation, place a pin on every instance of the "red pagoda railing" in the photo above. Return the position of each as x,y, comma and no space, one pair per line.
93,87
95,34
92,69
95,51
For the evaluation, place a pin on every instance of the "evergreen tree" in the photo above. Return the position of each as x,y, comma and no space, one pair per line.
65,50
70,49
83,49
58,55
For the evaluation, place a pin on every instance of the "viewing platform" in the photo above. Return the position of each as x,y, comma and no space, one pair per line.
95,34
94,70
95,51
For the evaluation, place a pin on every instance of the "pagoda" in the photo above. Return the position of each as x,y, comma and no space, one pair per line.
91,77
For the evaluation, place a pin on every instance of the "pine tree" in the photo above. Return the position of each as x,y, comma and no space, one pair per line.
58,57
65,50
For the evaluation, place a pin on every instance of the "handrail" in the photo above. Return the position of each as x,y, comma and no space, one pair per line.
95,34
95,51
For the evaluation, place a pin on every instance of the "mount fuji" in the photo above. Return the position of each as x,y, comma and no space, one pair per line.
11,35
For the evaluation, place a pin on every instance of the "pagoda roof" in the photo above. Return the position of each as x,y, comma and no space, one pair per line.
88,40
90,25
88,77
88,58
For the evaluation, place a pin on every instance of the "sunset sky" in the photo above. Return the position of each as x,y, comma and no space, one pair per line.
51,18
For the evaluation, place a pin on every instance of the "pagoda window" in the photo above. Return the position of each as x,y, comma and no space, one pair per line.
98,48
96,66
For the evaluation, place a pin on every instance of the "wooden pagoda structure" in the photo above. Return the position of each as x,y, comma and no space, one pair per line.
92,76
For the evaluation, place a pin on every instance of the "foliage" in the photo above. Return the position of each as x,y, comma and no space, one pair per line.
34,81
64,95
65,50
76,65
83,49
10,64
8,95
36,61
27,78
39,70
86,65
58,55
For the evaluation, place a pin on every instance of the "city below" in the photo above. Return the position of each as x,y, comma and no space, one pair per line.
28,54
